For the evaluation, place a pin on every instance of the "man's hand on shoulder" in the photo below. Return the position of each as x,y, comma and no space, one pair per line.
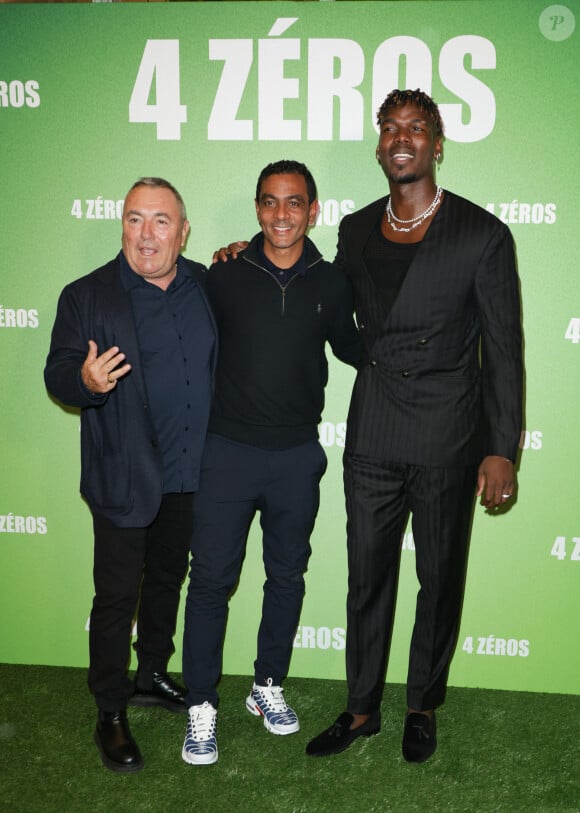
232,251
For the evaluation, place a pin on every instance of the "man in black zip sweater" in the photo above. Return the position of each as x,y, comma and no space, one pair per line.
275,310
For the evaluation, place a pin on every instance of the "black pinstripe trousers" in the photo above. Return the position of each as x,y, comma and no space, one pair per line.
379,498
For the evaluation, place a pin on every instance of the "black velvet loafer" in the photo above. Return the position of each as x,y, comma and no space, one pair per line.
163,692
419,737
117,748
339,736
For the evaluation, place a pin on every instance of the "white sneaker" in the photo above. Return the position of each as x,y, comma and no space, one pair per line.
268,702
200,746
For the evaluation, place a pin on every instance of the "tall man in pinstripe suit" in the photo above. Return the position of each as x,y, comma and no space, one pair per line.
435,415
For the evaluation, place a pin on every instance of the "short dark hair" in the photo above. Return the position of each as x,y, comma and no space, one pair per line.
285,167
397,98
161,182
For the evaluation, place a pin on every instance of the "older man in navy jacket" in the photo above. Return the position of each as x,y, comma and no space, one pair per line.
133,346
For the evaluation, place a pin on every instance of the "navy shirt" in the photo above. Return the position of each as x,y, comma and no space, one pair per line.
176,342
283,275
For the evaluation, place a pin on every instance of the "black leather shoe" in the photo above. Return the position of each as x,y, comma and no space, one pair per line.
339,736
163,692
419,737
118,749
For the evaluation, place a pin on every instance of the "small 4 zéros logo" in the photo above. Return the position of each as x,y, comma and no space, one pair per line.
19,94
573,330
563,549
496,646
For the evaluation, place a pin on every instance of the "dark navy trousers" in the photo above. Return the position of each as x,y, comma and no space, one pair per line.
238,481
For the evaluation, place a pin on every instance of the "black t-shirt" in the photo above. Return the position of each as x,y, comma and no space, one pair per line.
388,264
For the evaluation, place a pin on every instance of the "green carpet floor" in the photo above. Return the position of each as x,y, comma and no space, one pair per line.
498,751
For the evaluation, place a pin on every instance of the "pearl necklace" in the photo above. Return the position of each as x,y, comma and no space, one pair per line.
415,221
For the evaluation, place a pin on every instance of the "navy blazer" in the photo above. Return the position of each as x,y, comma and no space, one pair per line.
121,466
442,382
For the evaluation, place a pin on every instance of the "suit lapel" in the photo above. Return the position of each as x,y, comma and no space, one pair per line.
119,313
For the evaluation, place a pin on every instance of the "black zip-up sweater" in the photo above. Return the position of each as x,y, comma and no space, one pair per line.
272,366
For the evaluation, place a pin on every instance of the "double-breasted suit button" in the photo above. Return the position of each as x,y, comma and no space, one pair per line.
405,374
423,341
372,363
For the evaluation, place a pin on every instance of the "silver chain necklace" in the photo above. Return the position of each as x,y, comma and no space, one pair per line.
414,221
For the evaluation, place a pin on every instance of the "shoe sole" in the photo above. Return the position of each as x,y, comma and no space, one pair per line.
253,709
329,752
418,759
196,759
157,702
117,767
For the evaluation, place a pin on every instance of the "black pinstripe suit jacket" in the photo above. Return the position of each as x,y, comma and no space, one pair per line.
441,384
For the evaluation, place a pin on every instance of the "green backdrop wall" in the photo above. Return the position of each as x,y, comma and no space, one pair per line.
205,94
